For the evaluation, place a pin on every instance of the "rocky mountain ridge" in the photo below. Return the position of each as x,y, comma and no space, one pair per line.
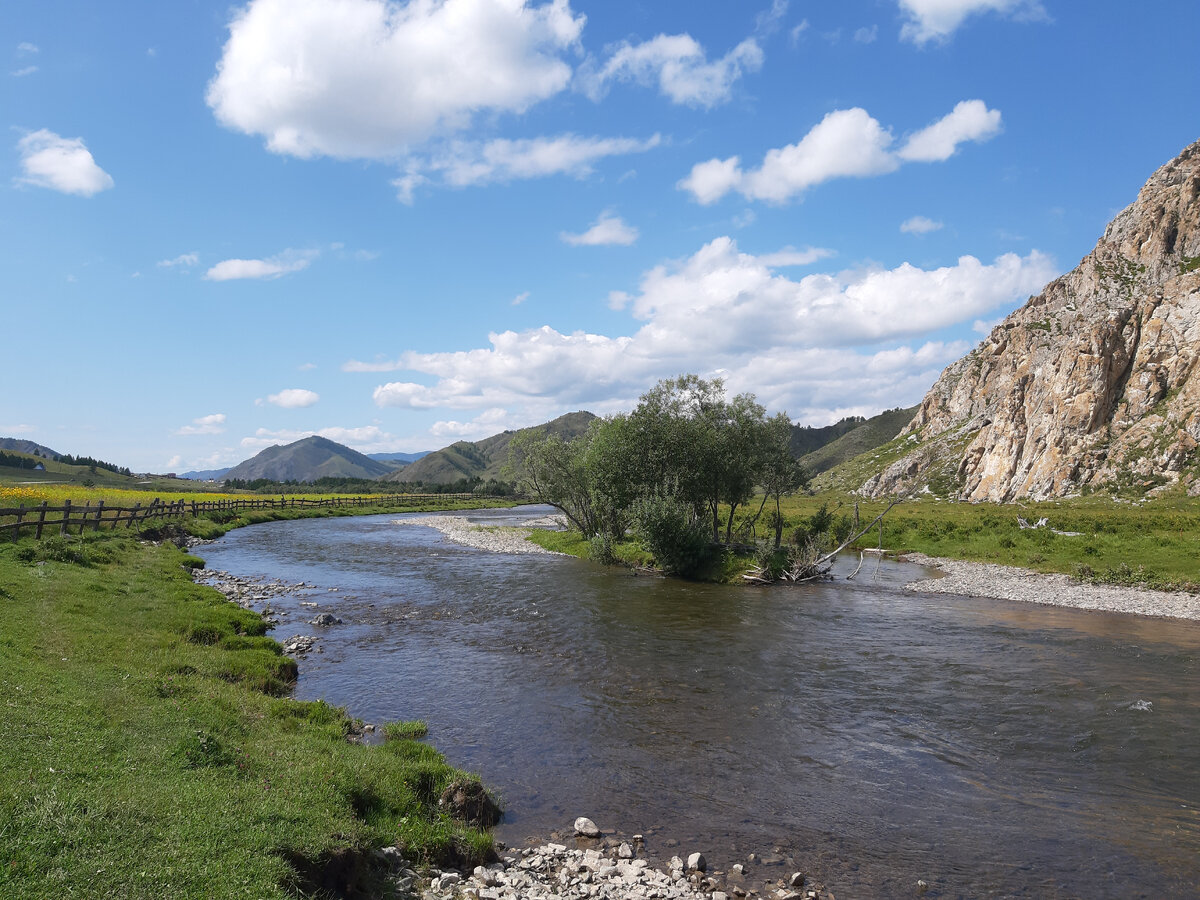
1092,384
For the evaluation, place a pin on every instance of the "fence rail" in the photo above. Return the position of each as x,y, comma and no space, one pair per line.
92,517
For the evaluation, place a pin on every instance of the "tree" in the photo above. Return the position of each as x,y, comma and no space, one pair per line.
780,473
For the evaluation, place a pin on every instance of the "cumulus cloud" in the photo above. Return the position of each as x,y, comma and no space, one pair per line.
800,343
678,65
214,424
790,256
866,35
847,143
61,164
606,231
920,225
269,268
937,20
970,120
294,398
369,79
23,71
187,260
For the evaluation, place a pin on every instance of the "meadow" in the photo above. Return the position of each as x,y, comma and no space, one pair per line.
150,749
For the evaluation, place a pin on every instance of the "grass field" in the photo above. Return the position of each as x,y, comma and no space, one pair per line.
148,749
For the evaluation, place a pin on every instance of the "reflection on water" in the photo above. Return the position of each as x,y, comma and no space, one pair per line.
879,736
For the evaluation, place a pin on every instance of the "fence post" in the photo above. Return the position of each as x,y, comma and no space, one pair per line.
41,519
62,527
99,514
17,526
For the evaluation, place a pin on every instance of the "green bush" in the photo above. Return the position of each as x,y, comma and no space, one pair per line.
671,531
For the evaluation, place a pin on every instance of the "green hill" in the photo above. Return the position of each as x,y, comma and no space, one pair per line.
807,439
866,435
482,459
307,460
20,445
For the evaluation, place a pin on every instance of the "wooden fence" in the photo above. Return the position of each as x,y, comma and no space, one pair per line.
92,517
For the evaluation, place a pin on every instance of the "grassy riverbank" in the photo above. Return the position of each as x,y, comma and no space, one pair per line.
147,748
1152,544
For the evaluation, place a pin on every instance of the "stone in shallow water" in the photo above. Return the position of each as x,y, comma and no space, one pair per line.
586,827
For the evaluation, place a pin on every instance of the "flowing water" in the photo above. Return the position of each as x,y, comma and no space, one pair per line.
873,735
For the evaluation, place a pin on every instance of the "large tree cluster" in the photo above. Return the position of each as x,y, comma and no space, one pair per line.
676,469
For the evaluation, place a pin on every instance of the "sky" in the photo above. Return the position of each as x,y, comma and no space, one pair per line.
401,224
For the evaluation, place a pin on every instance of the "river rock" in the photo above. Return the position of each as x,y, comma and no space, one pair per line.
697,863
624,851
586,827
325,620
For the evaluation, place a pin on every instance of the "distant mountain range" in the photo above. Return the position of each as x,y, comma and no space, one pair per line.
483,459
316,457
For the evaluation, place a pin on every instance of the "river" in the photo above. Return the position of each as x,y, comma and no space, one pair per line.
873,735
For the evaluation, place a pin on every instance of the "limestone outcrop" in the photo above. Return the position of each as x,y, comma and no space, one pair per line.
1091,384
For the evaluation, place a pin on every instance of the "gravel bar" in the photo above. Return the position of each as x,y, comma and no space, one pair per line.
1013,583
496,538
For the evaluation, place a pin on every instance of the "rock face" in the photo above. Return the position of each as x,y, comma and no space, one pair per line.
1093,382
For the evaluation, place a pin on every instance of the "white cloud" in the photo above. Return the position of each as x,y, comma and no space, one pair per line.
970,120
369,79
306,367
679,66
936,20
607,230
790,256
26,47
465,163
920,225
767,22
214,424
173,462
294,398
271,267
867,35
798,31
489,422
803,344
520,298
847,143
17,429
61,164
25,70
187,260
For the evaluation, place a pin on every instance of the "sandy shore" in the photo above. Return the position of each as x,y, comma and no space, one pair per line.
1012,583
496,538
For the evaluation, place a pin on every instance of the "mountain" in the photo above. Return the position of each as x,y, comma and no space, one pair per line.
205,474
866,435
307,460
1093,384
399,457
806,438
20,445
482,459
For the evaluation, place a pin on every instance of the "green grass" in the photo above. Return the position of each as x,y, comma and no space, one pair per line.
147,748
1117,539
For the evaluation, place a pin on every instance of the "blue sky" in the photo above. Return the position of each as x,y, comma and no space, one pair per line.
402,224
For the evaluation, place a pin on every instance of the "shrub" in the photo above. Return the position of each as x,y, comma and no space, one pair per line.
670,530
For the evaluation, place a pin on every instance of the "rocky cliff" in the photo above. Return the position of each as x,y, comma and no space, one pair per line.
1091,384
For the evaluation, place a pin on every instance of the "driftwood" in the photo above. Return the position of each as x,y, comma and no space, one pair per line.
806,565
